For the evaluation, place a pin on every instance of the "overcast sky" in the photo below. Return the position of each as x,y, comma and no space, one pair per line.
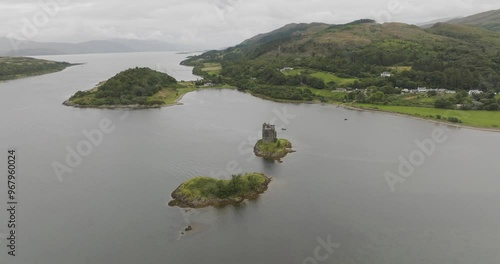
206,23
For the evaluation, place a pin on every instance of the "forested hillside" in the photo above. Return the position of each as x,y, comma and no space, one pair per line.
455,57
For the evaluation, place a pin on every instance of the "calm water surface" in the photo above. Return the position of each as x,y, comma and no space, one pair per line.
112,207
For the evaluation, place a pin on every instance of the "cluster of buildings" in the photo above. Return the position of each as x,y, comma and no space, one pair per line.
419,90
426,90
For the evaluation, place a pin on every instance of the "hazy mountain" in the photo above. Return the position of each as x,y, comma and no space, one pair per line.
431,23
488,20
288,30
149,45
12,47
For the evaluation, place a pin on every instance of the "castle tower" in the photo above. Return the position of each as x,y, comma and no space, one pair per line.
268,133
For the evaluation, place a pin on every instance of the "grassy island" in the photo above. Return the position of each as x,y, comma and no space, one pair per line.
21,67
204,191
275,150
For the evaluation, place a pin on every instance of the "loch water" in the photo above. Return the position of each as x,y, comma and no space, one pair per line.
112,207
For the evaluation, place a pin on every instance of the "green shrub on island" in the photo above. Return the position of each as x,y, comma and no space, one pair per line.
273,150
205,191
276,146
129,87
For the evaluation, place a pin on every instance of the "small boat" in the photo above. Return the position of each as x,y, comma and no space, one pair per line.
283,128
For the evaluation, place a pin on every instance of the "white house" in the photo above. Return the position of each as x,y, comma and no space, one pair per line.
286,69
471,92
421,89
385,74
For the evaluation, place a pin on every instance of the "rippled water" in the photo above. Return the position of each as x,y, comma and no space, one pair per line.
112,207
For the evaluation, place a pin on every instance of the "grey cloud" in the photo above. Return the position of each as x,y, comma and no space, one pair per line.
214,23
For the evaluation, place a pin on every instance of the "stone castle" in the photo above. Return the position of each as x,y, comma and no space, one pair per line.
268,133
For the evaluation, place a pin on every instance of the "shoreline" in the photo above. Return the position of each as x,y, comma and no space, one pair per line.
127,107
139,107
350,107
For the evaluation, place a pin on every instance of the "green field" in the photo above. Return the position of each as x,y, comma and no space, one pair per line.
330,77
418,100
400,68
329,95
170,95
211,68
480,119
325,76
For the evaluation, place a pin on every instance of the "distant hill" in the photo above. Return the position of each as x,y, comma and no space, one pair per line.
431,23
286,31
33,48
488,20
20,67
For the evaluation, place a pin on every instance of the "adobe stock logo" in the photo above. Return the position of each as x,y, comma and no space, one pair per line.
222,7
424,149
323,251
2,237
85,147
392,8
31,25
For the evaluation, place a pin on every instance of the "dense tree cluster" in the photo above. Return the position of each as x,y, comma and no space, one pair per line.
132,86
237,186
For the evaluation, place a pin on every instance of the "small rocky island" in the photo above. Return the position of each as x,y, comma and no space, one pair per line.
204,191
132,88
271,147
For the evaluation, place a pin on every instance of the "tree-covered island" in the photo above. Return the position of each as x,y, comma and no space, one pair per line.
204,191
132,88
21,67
